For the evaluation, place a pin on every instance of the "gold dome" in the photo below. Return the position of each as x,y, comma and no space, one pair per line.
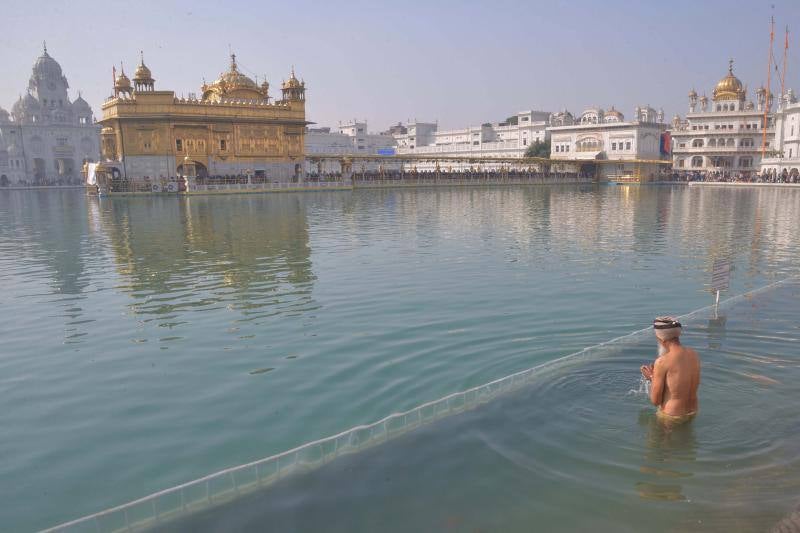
729,87
123,82
292,82
142,73
232,84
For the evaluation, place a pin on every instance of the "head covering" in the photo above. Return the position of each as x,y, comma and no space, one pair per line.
667,328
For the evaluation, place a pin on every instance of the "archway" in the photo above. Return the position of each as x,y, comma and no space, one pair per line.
3,181
200,170
38,169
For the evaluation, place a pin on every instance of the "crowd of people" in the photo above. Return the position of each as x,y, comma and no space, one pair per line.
455,175
727,177
44,182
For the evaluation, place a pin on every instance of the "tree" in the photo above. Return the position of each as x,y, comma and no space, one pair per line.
539,149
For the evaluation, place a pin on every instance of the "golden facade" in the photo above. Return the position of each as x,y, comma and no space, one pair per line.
234,129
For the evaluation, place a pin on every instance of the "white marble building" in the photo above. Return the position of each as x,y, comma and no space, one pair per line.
722,137
505,139
351,139
785,158
602,143
47,137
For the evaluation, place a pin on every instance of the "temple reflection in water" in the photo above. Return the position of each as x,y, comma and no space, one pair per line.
239,250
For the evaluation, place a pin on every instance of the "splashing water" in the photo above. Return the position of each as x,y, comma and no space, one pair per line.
644,387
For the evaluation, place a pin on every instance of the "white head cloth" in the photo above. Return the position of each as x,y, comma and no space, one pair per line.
667,328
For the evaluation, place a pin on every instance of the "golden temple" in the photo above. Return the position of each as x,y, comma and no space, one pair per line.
234,129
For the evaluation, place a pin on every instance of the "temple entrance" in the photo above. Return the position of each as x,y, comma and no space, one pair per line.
65,168
200,170
38,169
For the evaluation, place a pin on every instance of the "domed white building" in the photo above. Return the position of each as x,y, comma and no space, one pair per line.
46,137
724,136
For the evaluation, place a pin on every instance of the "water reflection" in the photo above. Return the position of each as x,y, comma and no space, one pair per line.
716,330
249,253
671,450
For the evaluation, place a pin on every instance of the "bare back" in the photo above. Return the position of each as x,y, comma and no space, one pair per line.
676,377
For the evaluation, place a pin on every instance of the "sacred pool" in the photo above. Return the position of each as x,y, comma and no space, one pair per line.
484,343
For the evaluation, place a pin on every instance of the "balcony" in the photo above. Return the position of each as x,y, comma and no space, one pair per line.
717,149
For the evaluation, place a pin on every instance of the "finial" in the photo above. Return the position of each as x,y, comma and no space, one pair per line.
141,57
730,66
233,61
44,45
293,71
122,68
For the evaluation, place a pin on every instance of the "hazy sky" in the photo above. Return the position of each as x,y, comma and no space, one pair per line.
458,62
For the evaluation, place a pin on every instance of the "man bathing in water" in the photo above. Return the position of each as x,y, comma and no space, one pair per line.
675,375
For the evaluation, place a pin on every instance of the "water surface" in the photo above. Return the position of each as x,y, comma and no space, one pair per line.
150,341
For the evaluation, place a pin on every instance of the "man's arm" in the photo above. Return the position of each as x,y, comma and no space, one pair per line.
659,382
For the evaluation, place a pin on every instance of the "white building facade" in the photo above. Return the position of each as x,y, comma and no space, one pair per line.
603,144
784,160
509,139
723,137
47,137
351,139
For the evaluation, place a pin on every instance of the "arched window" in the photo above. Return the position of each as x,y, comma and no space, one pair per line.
719,107
725,107
731,142
746,162
747,142
697,143
697,161
712,142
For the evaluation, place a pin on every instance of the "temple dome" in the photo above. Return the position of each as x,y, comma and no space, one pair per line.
123,82
25,107
142,73
233,84
81,106
4,116
729,87
47,67
292,82
612,115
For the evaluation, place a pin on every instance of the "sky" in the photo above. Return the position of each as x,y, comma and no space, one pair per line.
459,63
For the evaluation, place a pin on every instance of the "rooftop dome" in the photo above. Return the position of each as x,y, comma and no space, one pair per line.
142,74
234,79
233,84
729,87
292,82
81,106
46,66
25,107
4,116
123,83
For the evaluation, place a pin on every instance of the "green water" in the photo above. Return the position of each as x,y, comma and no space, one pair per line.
150,341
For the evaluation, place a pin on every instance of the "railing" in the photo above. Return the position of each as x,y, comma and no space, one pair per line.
265,187
230,483
721,149
478,180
